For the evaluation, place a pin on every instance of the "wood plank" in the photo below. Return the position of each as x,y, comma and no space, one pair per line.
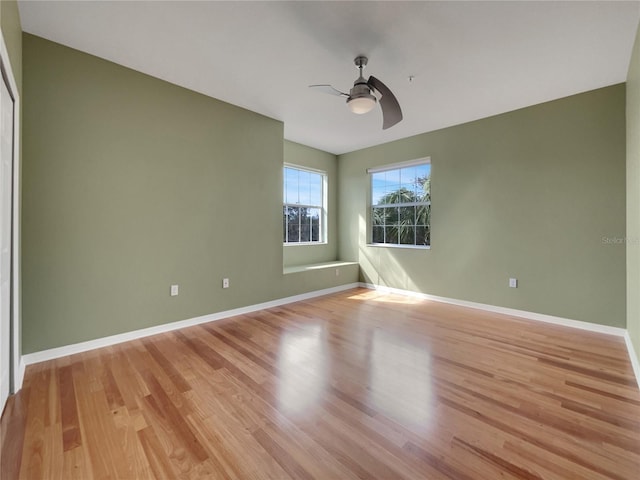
75,465
160,402
71,437
181,384
156,456
32,455
284,459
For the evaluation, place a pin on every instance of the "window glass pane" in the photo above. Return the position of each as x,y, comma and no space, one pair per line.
391,216
392,179
386,197
305,233
304,187
391,185
377,216
408,179
407,215
423,170
314,222
423,188
410,194
422,214
291,185
293,229
400,195
377,235
377,187
422,236
407,235
391,234
313,213
303,213
315,189
284,187
423,182
305,226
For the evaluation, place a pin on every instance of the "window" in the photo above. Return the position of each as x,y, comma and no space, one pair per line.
304,205
401,204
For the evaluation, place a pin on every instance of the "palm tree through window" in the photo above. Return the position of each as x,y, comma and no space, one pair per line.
401,205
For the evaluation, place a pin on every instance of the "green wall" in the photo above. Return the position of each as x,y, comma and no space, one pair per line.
132,184
633,197
529,194
303,156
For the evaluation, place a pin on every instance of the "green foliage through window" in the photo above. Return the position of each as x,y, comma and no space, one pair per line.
401,206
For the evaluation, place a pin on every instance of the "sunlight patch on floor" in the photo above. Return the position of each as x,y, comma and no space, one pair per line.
376,296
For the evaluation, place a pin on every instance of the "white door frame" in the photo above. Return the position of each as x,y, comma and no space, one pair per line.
16,325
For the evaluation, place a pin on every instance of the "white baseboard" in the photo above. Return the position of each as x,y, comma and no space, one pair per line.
633,356
58,352
592,327
18,374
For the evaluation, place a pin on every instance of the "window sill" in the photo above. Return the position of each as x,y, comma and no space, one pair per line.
303,244
393,245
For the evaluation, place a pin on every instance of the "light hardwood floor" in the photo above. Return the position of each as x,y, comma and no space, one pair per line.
347,386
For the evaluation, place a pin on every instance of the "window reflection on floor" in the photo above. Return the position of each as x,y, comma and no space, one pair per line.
302,369
400,380
376,296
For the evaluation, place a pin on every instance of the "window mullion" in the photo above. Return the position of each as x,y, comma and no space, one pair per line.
285,212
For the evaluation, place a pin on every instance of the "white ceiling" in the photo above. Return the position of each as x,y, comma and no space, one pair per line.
470,59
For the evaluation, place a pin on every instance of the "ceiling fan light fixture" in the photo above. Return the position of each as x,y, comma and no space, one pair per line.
361,104
360,98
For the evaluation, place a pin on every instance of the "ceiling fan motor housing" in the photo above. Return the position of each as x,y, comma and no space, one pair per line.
360,99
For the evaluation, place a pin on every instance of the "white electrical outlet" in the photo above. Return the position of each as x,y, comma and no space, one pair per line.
174,290
337,272
513,282
225,283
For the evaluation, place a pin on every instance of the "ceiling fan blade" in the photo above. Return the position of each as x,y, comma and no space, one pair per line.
391,112
329,89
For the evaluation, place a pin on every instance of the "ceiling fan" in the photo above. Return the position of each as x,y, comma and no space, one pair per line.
360,98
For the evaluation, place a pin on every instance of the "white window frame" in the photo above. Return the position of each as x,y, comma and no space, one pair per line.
18,365
322,234
371,206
